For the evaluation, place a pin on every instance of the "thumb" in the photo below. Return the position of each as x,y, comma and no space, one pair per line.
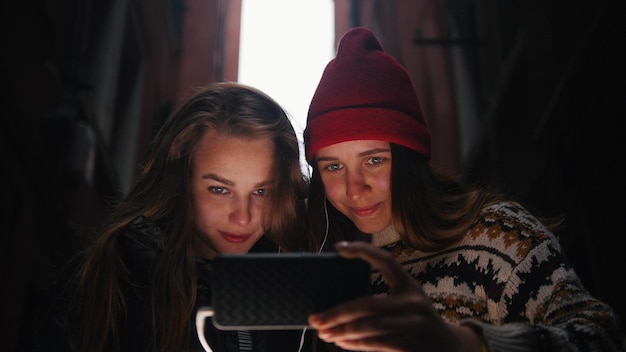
393,273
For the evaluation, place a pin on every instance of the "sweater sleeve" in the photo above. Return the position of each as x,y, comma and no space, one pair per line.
544,306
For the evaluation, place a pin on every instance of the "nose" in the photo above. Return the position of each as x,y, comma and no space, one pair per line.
356,184
241,212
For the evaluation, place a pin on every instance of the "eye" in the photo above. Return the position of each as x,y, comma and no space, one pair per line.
261,192
333,167
376,160
218,190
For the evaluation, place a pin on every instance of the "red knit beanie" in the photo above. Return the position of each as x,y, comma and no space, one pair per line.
365,93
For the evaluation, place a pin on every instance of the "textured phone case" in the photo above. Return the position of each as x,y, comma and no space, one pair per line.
279,291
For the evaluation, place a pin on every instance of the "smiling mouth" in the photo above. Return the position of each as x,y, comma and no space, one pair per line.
232,238
364,212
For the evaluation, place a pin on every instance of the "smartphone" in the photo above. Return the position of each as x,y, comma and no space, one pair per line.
269,291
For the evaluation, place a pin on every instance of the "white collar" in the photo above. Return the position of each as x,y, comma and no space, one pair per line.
385,237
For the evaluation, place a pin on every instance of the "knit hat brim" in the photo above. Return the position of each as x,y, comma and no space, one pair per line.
382,124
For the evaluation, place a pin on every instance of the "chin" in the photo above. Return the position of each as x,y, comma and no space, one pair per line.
235,249
371,229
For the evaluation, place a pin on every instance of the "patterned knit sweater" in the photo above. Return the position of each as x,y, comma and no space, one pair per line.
509,279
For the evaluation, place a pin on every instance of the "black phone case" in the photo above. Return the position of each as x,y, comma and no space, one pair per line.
267,291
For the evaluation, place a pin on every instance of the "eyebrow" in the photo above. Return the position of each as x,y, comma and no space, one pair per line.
217,178
363,153
220,179
375,151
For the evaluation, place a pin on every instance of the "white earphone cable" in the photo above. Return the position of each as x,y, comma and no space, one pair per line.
318,251
200,319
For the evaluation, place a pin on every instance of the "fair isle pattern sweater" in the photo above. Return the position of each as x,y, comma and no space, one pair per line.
509,279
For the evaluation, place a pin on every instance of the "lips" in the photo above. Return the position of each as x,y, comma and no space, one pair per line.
234,238
365,212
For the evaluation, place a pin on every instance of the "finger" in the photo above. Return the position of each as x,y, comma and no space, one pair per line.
366,345
356,309
371,336
392,319
409,302
386,344
385,333
393,273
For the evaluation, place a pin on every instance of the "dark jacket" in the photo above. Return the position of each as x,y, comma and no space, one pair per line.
140,245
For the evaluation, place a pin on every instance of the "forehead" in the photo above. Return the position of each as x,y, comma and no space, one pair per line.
235,157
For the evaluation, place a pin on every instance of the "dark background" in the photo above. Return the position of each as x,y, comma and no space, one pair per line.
527,96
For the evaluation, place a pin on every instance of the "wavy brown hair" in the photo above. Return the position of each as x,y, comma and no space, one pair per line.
435,209
162,194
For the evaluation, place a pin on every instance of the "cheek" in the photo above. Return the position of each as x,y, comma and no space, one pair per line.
383,185
206,215
333,188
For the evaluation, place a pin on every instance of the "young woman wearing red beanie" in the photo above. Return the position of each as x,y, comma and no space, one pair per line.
457,267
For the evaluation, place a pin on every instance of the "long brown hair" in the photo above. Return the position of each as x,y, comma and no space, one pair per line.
162,194
435,209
